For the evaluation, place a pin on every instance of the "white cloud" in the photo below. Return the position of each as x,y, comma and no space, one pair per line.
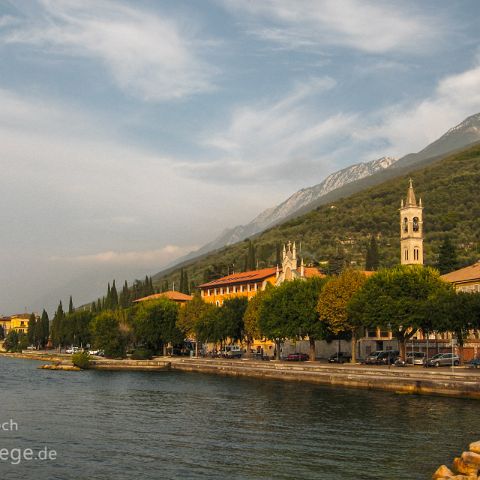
149,56
358,24
140,259
262,143
410,127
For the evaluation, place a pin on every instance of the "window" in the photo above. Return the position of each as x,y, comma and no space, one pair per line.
405,224
416,225
416,254
406,254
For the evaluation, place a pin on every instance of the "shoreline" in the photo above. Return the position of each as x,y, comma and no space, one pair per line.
461,383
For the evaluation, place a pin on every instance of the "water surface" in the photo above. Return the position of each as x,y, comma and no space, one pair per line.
152,425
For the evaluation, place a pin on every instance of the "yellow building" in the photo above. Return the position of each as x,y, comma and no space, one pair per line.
245,284
466,279
18,322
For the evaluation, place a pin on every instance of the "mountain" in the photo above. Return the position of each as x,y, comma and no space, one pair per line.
457,137
345,182
447,186
294,203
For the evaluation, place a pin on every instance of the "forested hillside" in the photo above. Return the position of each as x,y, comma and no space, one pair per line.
340,231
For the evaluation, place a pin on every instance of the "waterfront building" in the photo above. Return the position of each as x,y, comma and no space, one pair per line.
411,229
177,297
17,322
465,279
247,284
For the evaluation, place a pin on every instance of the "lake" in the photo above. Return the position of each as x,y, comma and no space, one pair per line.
152,425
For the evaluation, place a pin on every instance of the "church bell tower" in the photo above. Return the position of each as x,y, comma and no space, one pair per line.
411,229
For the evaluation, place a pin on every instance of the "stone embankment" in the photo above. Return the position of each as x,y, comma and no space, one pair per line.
465,467
457,382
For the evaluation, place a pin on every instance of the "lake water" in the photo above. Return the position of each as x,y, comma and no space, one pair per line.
155,425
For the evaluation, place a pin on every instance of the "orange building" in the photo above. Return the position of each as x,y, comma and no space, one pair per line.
177,297
245,284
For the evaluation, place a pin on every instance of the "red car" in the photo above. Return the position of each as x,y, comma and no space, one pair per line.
297,357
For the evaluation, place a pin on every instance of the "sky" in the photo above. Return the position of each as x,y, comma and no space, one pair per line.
132,132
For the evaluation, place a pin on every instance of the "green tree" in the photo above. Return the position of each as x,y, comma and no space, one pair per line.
2,332
395,299
206,328
333,302
43,330
107,334
190,315
78,325
250,259
290,311
59,327
447,257
251,317
31,329
337,262
372,258
231,318
113,296
70,305
154,324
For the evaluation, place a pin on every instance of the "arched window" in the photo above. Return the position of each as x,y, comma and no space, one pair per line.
416,225
405,224
406,254
416,254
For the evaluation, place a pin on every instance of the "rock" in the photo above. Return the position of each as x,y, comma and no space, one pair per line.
462,467
442,472
471,458
475,447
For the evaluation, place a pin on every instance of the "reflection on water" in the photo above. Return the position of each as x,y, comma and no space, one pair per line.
122,425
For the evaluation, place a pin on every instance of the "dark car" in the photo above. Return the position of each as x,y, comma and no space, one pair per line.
339,357
372,358
387,357
297,357
475,363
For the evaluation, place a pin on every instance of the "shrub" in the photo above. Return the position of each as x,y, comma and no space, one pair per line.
81,360
142,354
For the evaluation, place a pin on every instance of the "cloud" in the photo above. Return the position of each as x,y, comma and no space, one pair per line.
145,258
263,143
409,127
357,24
149,56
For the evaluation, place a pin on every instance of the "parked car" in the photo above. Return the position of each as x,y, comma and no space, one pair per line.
412,358
339,357
232,351
72,350
297,357
442,360
475,363
372,358
387,357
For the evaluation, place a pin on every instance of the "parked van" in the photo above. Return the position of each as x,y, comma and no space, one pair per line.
232,351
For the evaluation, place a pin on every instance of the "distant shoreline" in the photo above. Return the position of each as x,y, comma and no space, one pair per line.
462,383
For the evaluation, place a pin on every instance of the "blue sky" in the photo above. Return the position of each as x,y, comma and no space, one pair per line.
132,132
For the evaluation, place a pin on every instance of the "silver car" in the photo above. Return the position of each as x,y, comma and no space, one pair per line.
443,359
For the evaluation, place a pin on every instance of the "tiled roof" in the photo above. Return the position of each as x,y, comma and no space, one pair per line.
244,277
466,274
313,272
171,295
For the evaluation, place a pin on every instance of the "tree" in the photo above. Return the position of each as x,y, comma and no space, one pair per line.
250,261
2,332
252,316
206,328
290,312
78,327
231,318
113,296
337,262
15,341
107,334
154,324
333,302
42,330
372,259
124,299
447,257
70,305
190,315
58,327
395,299
31,329
184,284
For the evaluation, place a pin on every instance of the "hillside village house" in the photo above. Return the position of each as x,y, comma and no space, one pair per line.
465,279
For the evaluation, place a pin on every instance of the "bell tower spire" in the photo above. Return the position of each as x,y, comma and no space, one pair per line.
411,229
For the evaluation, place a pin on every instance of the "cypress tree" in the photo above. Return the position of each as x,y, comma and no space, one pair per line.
447,258
70,305
113,296
31,329
44,331
372,258
99,306
278,258
93,307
